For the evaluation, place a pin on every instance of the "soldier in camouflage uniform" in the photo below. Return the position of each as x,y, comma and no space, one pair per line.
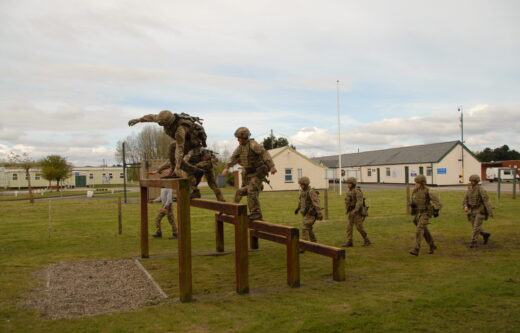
207,162
188,136
476,205
309,206
422,210
256,163
356,212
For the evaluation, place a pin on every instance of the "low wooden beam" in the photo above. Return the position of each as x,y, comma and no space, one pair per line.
224,207
166,183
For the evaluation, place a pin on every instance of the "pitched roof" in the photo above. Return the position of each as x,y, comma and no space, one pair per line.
429,153
277,151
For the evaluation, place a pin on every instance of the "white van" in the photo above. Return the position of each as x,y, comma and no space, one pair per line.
492,174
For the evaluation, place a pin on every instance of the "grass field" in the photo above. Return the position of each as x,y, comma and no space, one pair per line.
386,290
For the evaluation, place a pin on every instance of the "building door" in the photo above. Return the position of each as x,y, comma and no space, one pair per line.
81,181
406,175
378,176
421,170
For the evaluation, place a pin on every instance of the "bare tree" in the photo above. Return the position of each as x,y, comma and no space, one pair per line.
25,162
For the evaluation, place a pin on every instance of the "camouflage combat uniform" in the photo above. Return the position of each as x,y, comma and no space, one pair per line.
166,199
479,208
423,210
356,215
207,162
256,163
309,207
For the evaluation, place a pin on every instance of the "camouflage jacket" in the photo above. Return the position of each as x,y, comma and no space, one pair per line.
476,198
309,202
354,200
251,156
424,201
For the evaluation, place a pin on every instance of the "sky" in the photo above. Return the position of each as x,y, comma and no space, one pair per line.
72,73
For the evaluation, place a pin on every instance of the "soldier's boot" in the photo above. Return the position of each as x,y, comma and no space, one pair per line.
432,249
367,242
157,235
348,244
473,244
254,216
486,236
414,252
195,194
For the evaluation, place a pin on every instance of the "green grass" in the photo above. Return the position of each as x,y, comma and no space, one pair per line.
387,290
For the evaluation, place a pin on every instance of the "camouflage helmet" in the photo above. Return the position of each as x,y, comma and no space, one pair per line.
243,133
474,178
304,181
164,117
421,179
351,180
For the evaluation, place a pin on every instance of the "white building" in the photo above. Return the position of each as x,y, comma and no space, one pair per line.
291,166
441,163
80,177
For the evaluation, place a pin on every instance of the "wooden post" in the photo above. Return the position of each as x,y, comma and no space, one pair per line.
119,217
184,240
293,258
253,240
144,222
219,234
241,251
408,199
326,196
338,267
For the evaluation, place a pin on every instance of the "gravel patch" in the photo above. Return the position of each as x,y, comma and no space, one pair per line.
87,288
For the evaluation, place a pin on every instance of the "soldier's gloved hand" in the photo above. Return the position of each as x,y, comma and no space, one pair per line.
435,212
296,211
319,216
413,205
132,122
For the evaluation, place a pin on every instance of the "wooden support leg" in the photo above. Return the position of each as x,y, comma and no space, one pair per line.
253,240
338,267
241,251
144,223
184,240
219,234
293,258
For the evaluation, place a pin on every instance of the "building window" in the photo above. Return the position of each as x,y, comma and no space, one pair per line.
369,172
110,176
300,173
388,172
91,176
288,175
15,176
429,171
121,175
37,177
26,177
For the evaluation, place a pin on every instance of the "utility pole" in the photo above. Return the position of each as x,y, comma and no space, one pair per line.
462,141
339,139
272,139
124,171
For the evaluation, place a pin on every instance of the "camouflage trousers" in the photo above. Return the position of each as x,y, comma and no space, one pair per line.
189,169
212,183
421,220
171,220
251,187
476,219
355,220
308,222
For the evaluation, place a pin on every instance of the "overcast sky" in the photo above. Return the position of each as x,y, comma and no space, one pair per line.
72,73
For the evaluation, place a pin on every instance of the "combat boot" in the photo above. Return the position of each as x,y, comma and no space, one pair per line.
432,249
367,242
348,244
195,194
157,235
486,236
254,216
473,244
414,252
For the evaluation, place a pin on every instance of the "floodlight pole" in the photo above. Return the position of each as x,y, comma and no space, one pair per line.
462,141
124,171
339,138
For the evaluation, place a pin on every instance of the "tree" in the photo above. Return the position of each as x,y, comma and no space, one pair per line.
272,142
498,154
55,167
26,163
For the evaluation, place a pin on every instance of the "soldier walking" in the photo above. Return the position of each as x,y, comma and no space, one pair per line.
423,206
188,135
356,212
476,205
309,207
256,163
166,198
